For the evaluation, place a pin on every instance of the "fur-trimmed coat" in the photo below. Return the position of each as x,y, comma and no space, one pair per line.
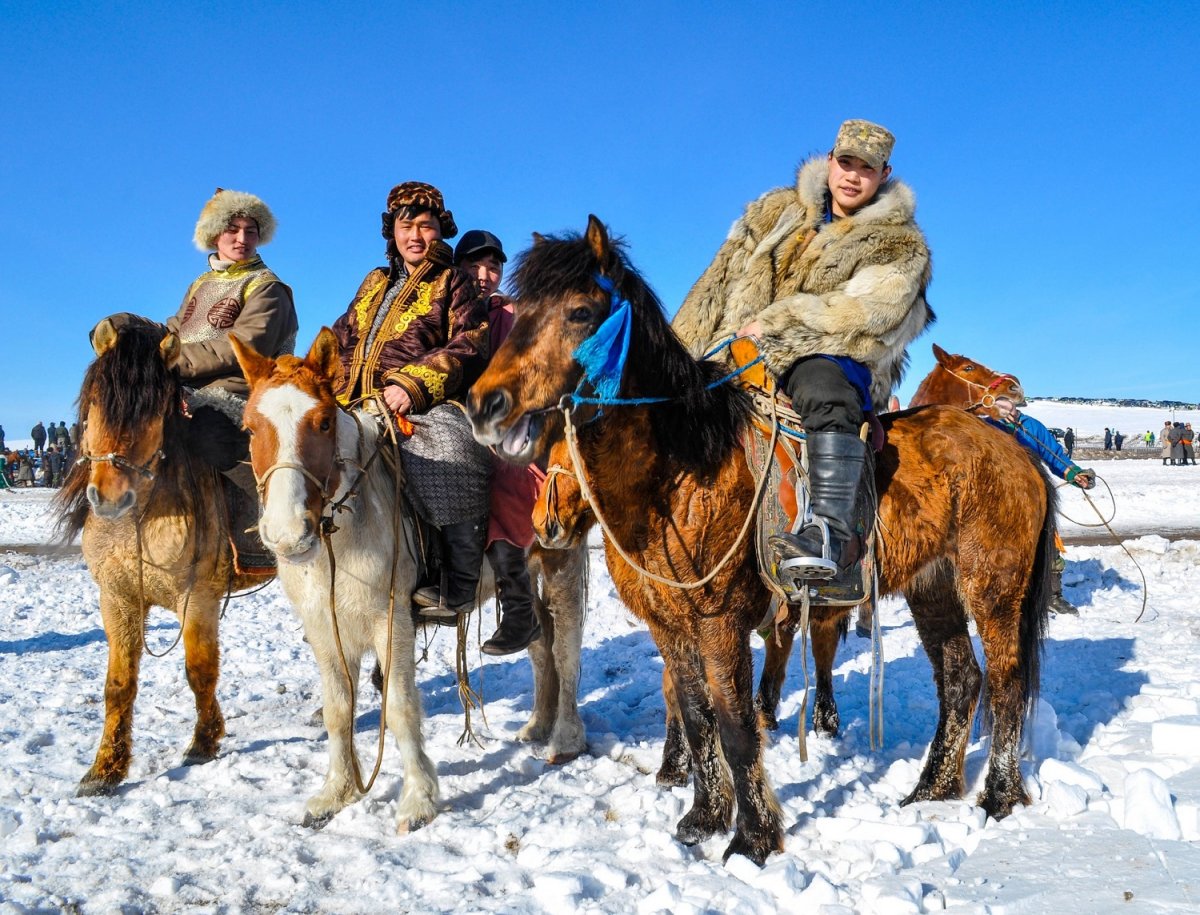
851,287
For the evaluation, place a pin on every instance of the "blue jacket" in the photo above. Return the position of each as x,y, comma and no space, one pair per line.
1040,443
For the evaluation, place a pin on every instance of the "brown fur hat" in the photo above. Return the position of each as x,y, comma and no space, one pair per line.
418,194
224,206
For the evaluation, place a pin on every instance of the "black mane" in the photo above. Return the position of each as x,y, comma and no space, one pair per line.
698,426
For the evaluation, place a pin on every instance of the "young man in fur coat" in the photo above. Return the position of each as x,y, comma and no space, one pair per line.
830,277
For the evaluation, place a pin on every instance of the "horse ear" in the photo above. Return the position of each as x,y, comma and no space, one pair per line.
255,366
103,336
538,238
941,355
170,348
323,355
597,237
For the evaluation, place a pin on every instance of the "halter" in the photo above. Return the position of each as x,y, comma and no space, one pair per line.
119,460
988,400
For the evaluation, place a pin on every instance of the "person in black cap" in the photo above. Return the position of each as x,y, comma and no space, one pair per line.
514,488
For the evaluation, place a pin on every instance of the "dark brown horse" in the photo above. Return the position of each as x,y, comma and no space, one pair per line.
151,535
965,516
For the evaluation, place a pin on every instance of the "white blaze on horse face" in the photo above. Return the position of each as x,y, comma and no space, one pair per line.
286,527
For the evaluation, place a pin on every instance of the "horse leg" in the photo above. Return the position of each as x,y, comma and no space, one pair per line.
202,660
770,685
1003,788
676,765
712,799
337,710
942,625
123,627
545,677
730,676
566,584
420,795
826,627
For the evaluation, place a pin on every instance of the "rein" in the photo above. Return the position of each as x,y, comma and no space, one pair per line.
988,399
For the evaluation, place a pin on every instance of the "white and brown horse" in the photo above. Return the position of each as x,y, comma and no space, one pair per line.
340,573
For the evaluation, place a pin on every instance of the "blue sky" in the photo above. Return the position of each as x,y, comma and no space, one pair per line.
1052,148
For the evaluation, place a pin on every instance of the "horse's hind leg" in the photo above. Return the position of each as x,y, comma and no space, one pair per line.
202,656
998,630
712,799
564,589
676,765
827,626
123,627
419,797
730,674
770,684
942,625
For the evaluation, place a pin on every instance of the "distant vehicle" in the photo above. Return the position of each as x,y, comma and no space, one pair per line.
1057,433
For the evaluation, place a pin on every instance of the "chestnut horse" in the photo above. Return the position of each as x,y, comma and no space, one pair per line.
961,382
150,534
668,475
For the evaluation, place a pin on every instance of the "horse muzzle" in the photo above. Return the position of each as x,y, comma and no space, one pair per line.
110,509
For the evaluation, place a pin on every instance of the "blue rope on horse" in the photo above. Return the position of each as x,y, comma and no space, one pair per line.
604,354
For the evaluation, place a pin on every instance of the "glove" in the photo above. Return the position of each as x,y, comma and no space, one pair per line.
1084,479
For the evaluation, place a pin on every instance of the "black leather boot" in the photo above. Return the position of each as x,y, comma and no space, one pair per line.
519,625
462,553
816,553
1058,603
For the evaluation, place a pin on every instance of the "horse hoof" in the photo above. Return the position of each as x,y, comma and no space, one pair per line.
826,723
194,757
561,759
755,851
316,823
767,720
695,828
96,787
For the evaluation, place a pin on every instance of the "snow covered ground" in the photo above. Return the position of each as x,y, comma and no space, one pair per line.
1113,766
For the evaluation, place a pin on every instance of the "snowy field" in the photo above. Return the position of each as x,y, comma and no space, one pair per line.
1113,765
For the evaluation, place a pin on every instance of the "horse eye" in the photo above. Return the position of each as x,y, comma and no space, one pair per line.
324,425
580,315
968,367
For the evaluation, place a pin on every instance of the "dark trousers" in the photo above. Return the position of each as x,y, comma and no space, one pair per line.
822,395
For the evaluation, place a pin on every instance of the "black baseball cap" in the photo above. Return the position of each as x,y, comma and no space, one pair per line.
476,241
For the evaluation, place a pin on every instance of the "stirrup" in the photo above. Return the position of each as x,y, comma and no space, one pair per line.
795,571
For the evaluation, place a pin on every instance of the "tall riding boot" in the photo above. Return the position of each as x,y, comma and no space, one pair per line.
253,558
462,553
1058,603
519,625
835,466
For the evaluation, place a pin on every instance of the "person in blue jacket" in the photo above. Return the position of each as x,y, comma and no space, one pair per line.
1041,443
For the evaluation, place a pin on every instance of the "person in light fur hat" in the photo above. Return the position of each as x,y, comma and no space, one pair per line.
830,276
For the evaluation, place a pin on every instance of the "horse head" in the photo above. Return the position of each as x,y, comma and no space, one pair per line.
560,304
131,393
962,382
295,427
561,515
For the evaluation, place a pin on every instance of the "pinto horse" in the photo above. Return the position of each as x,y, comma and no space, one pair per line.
967,526
150,536
330,514
962,382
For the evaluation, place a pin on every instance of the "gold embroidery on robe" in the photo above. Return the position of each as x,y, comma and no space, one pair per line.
435,381
422,306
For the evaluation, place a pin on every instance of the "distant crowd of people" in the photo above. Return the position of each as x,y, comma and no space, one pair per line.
1176,439
46,463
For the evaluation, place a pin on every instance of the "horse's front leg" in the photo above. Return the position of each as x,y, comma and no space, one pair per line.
337,711
419,798
826,627
202,658
676,766
712,801
729,670
123,626
770,684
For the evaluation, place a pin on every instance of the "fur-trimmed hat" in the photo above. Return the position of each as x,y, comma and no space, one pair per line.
418,194
226,205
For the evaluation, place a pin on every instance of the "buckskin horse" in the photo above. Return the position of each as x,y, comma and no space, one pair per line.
144,506
966,520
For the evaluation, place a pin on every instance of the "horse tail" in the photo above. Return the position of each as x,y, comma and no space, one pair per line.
1035,608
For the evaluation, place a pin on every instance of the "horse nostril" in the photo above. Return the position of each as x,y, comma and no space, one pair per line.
495,405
